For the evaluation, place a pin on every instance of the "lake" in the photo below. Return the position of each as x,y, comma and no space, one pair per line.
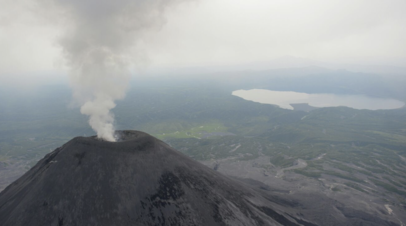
285,99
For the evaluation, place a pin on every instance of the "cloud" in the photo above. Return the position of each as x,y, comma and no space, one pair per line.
219,32
237,31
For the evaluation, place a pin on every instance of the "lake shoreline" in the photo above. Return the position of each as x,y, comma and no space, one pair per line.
307,102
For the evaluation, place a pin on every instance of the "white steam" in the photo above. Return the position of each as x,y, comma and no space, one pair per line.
98,45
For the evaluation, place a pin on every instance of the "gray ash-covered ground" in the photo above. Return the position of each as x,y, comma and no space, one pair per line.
356,159
137,181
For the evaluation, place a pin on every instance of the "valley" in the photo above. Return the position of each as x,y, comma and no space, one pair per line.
327,159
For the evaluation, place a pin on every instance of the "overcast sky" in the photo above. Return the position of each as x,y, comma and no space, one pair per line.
226,32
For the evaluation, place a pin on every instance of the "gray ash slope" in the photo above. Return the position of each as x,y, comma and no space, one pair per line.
137,181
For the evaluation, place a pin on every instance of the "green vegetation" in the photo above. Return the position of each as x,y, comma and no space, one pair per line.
306,173
339,175
355,186
335,189
282,161
388,187
204,121
201,131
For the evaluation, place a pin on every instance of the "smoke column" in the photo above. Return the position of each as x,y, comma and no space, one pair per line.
97,43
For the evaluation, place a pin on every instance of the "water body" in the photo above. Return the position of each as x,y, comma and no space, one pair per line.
284,99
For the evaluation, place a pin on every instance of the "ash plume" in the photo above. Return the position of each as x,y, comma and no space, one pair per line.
98,43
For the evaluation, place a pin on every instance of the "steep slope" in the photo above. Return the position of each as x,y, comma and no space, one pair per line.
137,181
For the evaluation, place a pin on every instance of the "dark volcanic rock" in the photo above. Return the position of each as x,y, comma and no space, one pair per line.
137,181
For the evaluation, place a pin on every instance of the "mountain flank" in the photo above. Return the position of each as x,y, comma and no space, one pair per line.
138,180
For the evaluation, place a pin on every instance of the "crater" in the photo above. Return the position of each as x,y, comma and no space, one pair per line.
123,136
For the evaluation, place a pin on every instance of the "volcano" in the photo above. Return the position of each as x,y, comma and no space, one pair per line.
138,180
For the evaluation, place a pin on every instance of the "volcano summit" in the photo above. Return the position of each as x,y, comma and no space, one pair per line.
138,180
